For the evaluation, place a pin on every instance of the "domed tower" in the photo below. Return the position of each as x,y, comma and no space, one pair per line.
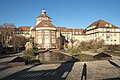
42,17
45,32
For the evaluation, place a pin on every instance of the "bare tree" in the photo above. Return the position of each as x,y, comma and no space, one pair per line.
18,41
8,25
72,41
6,33
92,44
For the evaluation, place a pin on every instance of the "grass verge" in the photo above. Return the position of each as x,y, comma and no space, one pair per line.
86,57
114,53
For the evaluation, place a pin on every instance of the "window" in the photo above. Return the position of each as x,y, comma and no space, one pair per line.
45,25
39,33
53,40
53,33
103,29
95,35
39,41
114,40
106,25
76,32
110,25
40,36
46,32
102,34
46,40
114,34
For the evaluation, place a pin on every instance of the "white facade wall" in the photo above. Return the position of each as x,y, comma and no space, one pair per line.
46,36
68,35
109,35
79,37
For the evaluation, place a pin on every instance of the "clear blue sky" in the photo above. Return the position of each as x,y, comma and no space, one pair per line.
68,13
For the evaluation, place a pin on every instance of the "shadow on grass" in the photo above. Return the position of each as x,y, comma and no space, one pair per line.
114,64
60,73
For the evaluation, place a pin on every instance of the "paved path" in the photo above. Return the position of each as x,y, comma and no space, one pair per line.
4,69
94,70
9,57
67,71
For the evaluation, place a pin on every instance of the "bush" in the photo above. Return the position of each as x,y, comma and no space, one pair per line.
92,44
86,57
29,53
113,47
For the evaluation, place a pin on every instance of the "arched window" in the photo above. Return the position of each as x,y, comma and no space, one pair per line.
45,25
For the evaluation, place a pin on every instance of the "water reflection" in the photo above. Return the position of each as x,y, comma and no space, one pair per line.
50,56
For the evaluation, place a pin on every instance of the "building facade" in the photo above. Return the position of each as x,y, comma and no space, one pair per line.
103,30
46,34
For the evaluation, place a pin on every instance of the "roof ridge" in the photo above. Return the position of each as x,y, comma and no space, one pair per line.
100,22
42,23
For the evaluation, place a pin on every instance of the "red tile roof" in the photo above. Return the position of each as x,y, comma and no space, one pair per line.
101,24
64,29
45,24
77,30
18,29
25,28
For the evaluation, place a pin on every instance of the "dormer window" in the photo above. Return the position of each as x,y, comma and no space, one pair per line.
110,25
94,26
106,26
45,25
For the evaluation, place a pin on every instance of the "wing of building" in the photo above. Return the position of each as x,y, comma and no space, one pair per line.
104,30
47,35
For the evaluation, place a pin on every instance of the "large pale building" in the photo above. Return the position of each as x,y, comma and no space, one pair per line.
103,30
46,34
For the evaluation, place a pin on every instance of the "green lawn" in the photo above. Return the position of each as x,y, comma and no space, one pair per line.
86,57
114,53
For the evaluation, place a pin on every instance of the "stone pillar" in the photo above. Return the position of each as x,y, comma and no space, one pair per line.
55,40
43,38
36,36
